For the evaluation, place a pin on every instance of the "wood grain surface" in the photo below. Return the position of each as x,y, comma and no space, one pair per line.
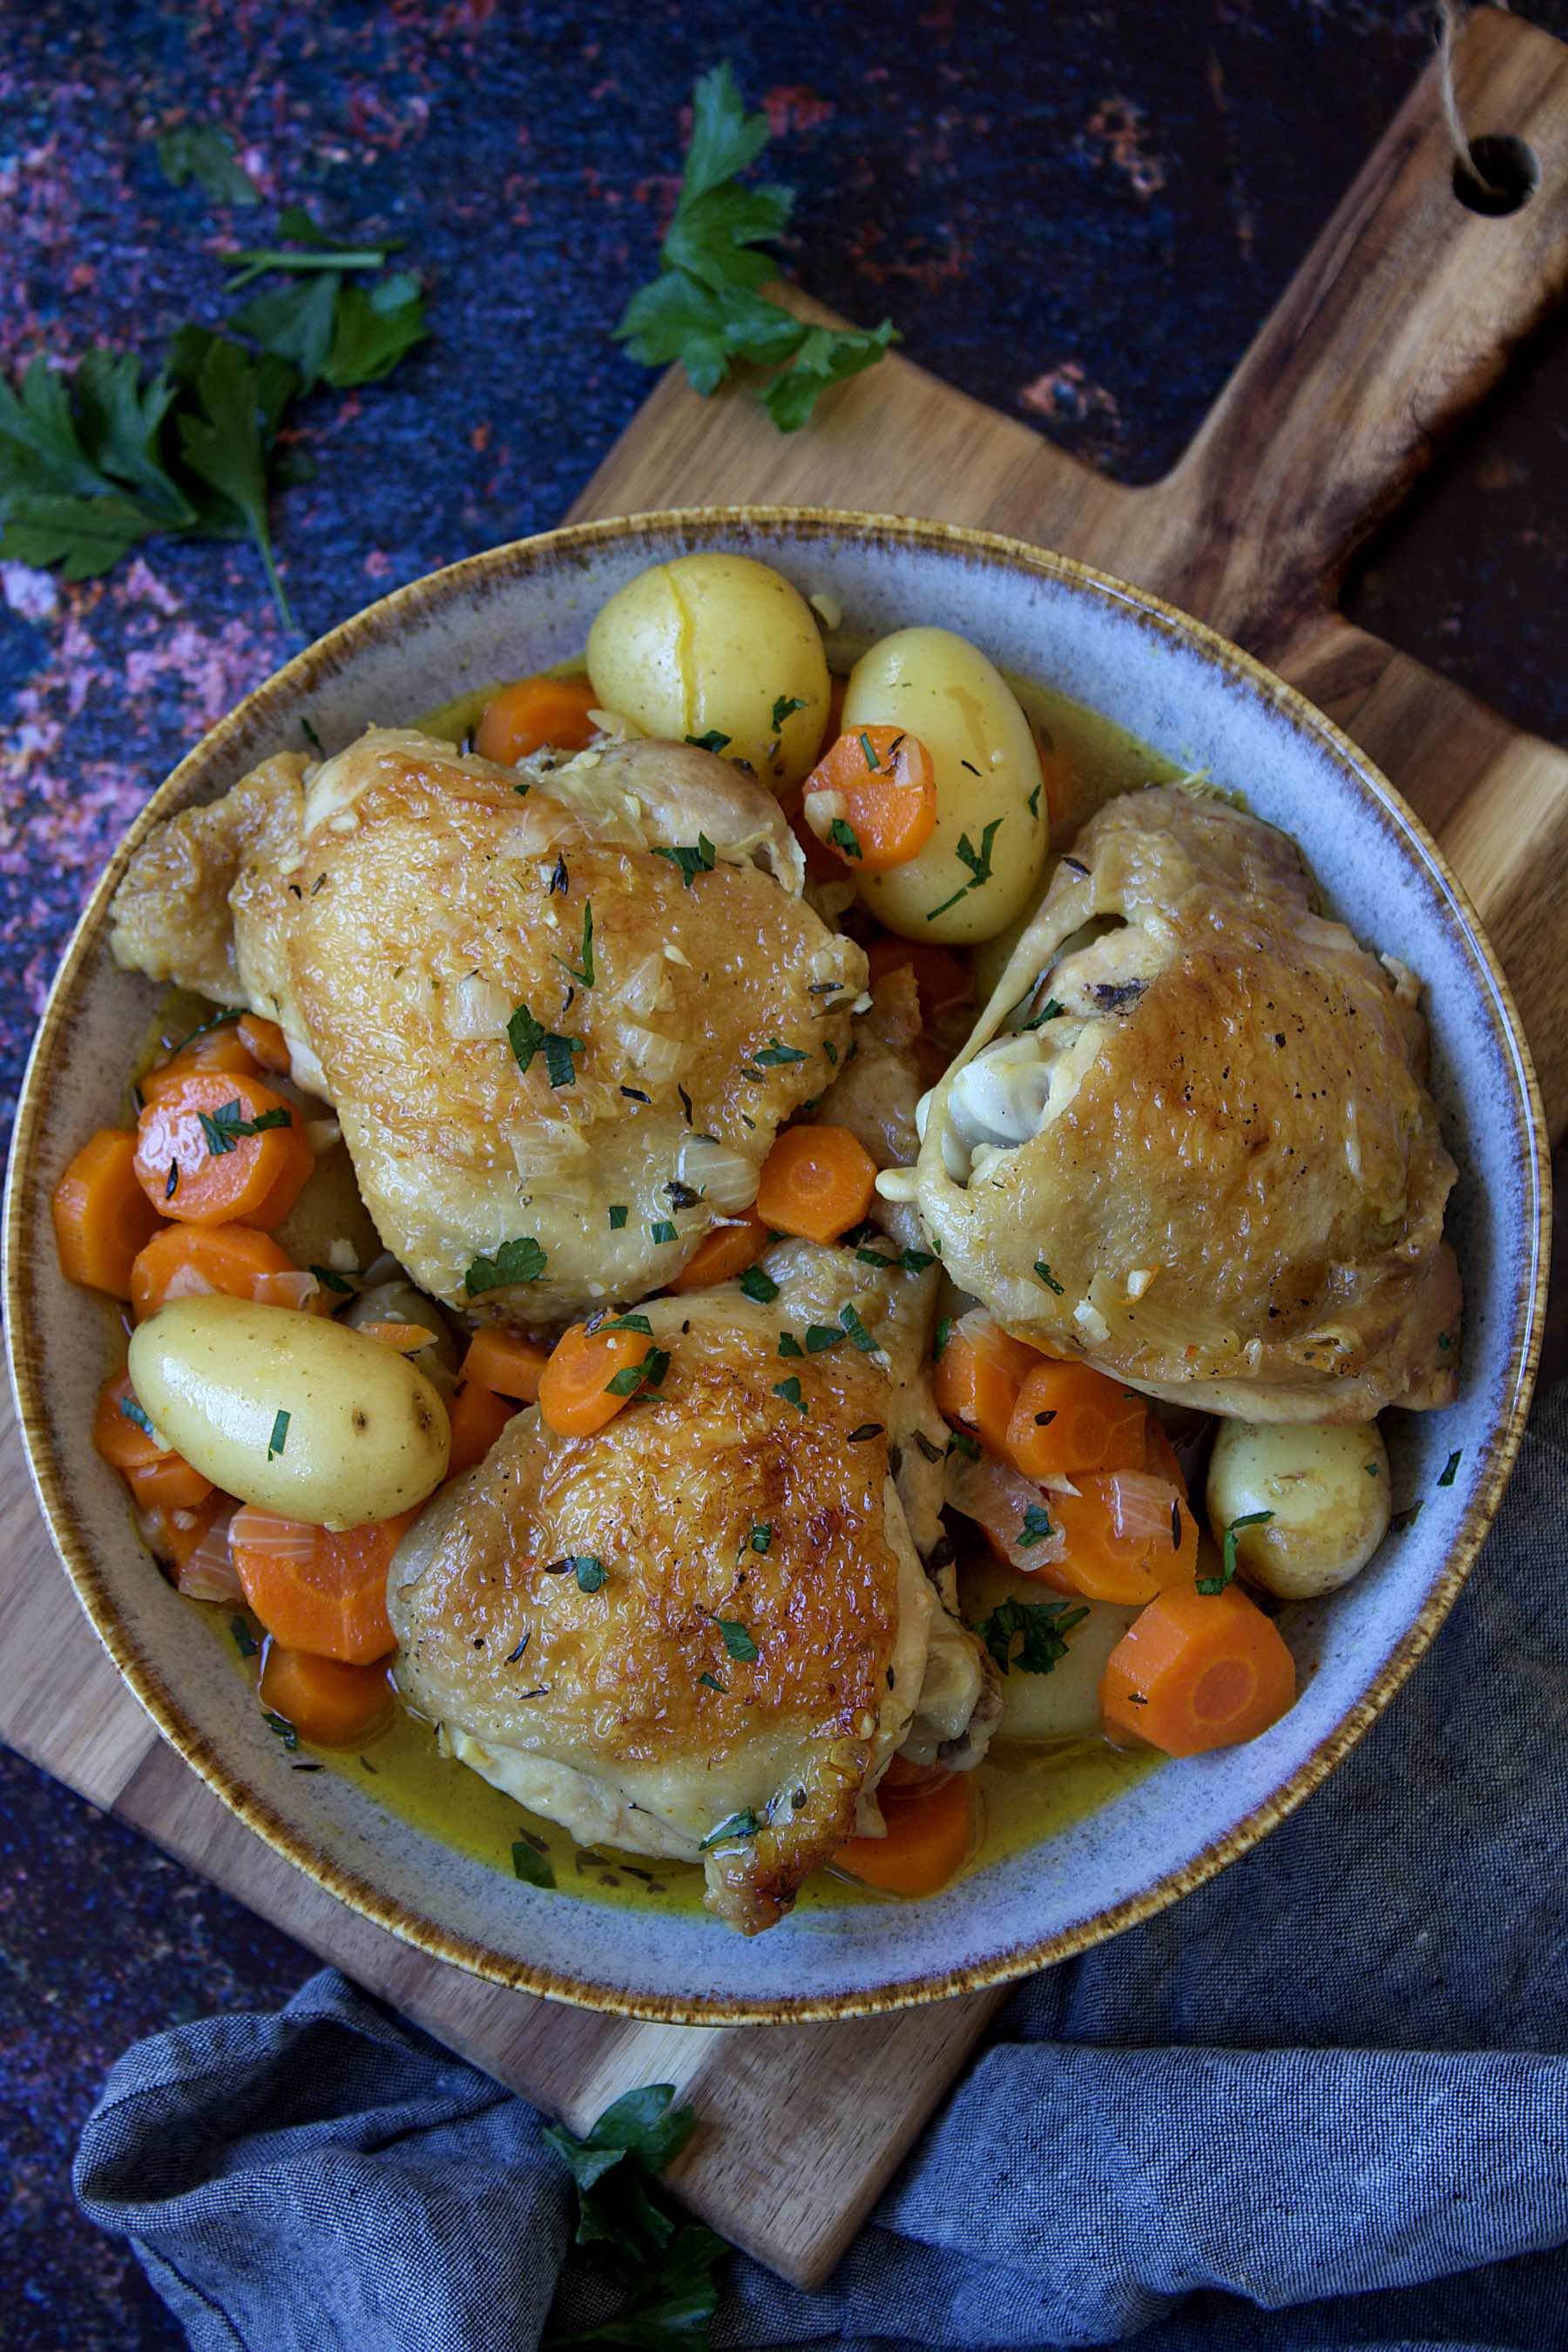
1397,323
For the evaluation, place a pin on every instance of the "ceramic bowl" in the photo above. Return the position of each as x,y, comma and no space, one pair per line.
1185,693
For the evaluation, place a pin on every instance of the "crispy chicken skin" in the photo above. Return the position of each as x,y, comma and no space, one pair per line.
392,909
623,1712
1213,1166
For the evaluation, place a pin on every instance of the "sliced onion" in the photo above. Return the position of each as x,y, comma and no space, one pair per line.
269,1532
545,1147
726,1178
477,1008
653,1056
1140,1505
644,989
208,1574
1000,1500
292,1289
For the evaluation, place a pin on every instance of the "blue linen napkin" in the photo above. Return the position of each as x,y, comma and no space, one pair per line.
1321,2102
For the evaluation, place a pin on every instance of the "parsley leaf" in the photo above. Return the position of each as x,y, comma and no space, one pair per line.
1039,1628
224,1129
822,1335
617,1216
1047,1276
692,861
978,862
775,1056
783,707
1037,1526
856,1330
521,1260
532,1867
1049,1011
591,1570
226,434
759,1286
527,1037
647,1373
742,1825
201,152
715,740
762,1536
137,1415
280,1437
842,835
737,1639
704,308
1450,1469
790,1392
582,970
1213,1584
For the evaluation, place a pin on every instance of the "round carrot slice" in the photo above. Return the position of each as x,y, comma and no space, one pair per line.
102,1216
327,1702
219,1147
182,1261
872,798
723,1254
1196,1671
816,1183
534,711
593,1372
315,1588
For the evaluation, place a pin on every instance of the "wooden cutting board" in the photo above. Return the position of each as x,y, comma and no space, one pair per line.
1400,318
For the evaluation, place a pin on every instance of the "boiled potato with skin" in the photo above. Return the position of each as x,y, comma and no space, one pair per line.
988,763
329,1209
1064,1704
713,644
366,1434
1325,1485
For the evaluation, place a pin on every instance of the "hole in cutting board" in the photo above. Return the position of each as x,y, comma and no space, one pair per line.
1505,174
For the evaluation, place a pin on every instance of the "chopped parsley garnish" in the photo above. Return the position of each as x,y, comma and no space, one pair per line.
331,1280
762,1536
737,1639
1047,1276
648,1374
789,1345
281,1729
713,1683
245,1641
528,1038
617,1216
582,970
625,1323
532,1867
743,1824
944,1334
1035,802
857,1330
712,742
1212,1585
959,1440
869,749
978,862
774,1056
1050,1011
1407,1518
1037,1526
662,1230
782,707
1447,1475
521,1260
204,153
1038,1627
842,835
591,1570
133,1413
1371,1470
1443,1341
280,1437
228,1126
790,1392
821,1335
759,1286
692,861
172,1183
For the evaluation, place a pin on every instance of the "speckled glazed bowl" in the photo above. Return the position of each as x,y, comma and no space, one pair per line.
1187,694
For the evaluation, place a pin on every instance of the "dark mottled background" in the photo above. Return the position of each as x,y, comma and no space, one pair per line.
1078,215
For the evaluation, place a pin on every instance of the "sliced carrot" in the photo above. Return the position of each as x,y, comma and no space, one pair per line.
591,1374
219,1147
329,1703
944,980
930,1836
182,1261
1196,1671
723,1254
218,1049
403,1338
103,1215
534,711
816,1183
316,1589
903,1779
176,1536
979,1375
504,1363
1125,1541
871,798
478,1415
266,1040
168,1484
1069,1417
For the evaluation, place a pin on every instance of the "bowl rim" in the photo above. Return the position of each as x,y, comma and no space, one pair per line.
143,1675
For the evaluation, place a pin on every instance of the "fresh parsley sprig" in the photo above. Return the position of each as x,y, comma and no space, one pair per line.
705,308
664,2262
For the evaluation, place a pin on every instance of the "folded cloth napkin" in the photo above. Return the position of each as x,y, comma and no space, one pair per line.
1324,2102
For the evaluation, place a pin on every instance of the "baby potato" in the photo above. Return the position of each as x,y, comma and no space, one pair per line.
328,1210
716,645
1325,1486
1064,1704
943,691
292,1414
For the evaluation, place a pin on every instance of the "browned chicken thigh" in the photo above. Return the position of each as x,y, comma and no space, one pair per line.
1204,1158
559,1011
